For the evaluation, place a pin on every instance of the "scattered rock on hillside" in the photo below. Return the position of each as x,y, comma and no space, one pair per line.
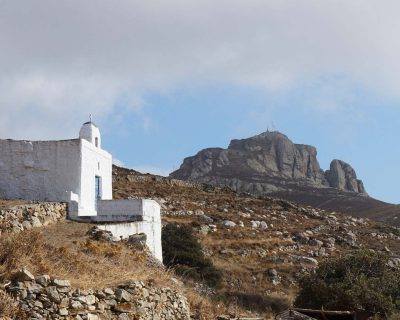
138,240
101,235
206,219
297,237
228,224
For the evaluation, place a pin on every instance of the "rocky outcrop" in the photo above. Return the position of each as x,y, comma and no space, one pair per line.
31,215
266,163
43,297
343,177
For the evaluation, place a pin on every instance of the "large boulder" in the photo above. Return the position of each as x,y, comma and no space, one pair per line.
343,177
138,240
23,275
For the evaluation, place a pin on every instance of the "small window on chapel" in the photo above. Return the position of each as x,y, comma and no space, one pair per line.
96,142
98,165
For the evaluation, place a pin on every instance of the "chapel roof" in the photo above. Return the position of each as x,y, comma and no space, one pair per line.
92,123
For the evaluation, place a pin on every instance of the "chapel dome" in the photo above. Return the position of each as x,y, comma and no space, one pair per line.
90,132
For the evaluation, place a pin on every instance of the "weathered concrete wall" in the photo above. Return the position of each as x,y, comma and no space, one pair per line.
43,297
39,170
123,210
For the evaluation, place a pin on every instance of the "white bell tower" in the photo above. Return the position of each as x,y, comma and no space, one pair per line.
91,133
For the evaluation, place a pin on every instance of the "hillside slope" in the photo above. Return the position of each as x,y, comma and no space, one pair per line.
53,268
262,245
347,202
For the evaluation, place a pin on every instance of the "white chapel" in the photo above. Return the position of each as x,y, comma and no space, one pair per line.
79,172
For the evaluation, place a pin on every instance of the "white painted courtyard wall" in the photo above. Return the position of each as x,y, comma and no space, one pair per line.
150,228
141,216
39,170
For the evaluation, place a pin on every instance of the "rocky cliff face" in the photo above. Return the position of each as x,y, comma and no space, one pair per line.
266,163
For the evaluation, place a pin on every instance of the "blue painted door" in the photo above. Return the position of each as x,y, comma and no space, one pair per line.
97,188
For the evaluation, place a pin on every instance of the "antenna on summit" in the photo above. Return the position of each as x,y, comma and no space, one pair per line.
90,117
271,127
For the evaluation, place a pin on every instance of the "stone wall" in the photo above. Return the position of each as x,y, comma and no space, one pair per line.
26,216
43,297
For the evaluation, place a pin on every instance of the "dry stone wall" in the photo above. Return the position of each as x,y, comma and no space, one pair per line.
27,216
43,297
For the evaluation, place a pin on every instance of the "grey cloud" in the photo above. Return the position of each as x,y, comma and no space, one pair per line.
64,59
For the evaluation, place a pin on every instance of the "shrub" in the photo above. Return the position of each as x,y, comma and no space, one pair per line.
183,252
360,281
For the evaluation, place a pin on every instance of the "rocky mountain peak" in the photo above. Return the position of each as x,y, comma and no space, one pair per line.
266,163
264,139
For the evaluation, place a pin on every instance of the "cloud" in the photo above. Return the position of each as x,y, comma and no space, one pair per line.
61,60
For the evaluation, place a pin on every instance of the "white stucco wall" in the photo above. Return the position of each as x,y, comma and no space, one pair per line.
55,171
40,170
90,132
151,229
95,162
151,210
146,211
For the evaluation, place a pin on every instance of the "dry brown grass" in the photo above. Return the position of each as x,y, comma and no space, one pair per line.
203,308
9,308
63,250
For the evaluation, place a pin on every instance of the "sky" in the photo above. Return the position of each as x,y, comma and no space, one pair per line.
164,79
